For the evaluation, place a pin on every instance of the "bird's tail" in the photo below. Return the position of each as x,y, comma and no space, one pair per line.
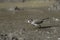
45,18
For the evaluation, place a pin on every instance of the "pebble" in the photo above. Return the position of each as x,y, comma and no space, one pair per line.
48,37
14,38
58,38
48,32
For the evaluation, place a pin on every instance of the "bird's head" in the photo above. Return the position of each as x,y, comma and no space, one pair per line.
30,20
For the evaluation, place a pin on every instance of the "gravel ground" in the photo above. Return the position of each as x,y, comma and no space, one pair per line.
14,26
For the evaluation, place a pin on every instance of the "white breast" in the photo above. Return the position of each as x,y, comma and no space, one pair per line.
34,23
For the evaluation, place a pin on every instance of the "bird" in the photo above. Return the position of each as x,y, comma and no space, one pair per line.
37,22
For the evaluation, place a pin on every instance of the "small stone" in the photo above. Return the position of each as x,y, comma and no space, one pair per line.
36,30
6,35
2,35
14,38
48,37
47,32
58,38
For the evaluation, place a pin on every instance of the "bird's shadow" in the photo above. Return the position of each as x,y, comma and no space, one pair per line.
44,27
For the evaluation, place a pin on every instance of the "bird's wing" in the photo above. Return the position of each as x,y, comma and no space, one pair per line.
38,21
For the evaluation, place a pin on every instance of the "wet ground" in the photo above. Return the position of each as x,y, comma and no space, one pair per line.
14,24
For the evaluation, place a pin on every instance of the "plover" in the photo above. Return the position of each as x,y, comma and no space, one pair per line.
37,22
